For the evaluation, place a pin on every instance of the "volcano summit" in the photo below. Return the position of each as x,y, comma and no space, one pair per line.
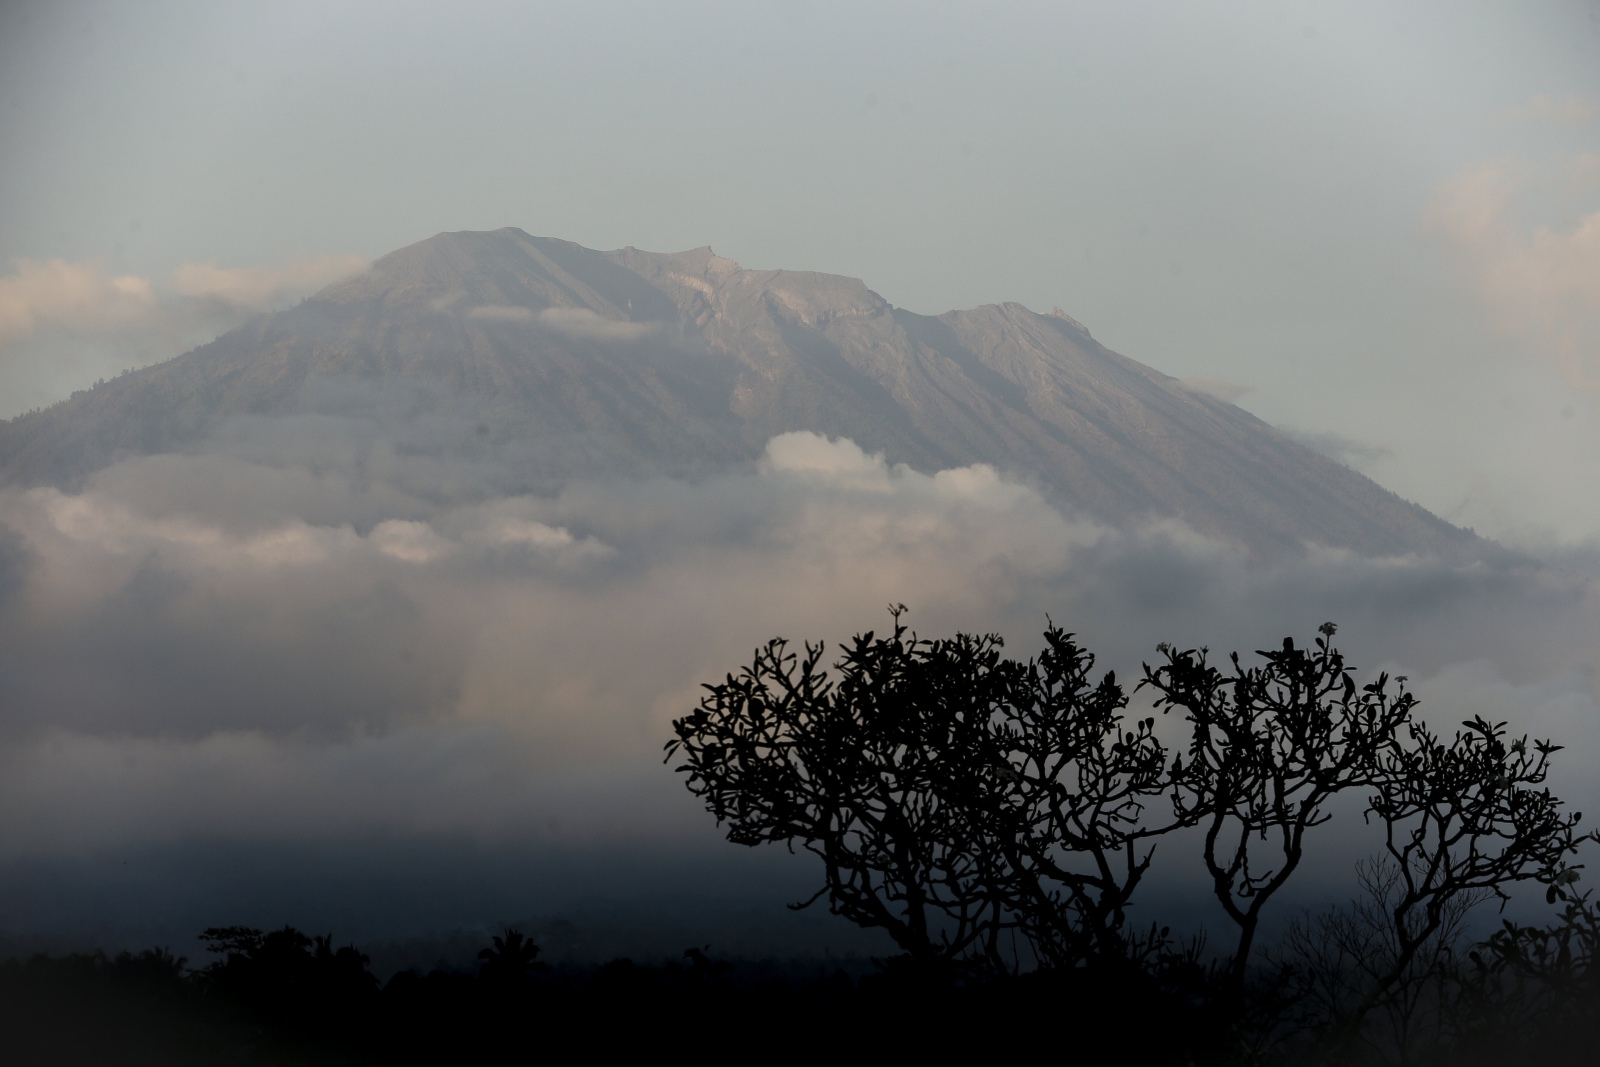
544,361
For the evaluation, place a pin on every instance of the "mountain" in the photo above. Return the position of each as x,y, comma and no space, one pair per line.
631,363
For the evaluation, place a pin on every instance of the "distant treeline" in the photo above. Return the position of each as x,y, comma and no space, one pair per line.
284,997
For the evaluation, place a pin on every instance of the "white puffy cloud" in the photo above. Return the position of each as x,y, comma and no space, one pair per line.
840,461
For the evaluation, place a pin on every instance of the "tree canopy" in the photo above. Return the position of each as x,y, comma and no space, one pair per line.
996,815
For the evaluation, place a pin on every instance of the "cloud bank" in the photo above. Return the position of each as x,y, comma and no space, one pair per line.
215,646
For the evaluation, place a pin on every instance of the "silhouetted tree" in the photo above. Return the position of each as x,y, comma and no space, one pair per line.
1535,990
1070,821
512,959
1333,960
861,770
297,985
150,967
1269,747
997,815
955,797
1461,820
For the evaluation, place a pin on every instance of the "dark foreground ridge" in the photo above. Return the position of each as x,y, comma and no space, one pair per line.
540,361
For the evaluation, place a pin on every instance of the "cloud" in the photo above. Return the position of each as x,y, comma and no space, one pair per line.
1539,283
1569,110
216,646
840,461
497,312
77,296
579,324
83,298
260,288
583,324
64,325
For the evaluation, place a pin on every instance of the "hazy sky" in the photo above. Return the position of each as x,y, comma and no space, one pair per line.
1375,225
1380,217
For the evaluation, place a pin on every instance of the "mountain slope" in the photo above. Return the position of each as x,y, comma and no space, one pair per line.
630,362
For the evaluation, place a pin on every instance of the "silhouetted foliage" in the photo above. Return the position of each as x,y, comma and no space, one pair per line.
996,817
1534,990
1269,747
983,812
299,986
1336,959
862,772
1462,820
1070,820
513,958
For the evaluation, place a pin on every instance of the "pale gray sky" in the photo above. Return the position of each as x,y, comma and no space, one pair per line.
1336,205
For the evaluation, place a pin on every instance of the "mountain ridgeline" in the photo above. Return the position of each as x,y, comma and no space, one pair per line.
566,362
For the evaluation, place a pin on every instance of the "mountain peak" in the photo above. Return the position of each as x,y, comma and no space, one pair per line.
628,362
